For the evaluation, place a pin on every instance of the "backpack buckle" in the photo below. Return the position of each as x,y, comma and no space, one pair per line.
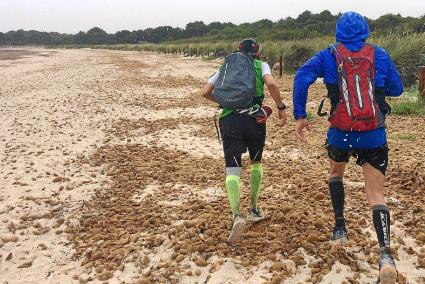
340,67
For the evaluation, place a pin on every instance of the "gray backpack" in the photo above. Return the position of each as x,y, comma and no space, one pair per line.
235,87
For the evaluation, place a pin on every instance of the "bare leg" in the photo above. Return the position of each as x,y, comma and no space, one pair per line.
374,185
337,169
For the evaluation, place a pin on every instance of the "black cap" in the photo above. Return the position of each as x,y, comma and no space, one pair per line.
249,45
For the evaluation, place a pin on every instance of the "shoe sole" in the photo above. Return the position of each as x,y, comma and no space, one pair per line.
339,243
255,219
388,275
237,231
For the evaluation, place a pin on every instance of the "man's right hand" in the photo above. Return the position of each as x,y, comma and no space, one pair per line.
300,125
282,116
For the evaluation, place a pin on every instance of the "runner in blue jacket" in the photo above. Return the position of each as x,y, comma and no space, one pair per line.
369,147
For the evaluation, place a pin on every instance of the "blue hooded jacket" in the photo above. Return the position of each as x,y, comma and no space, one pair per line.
352,30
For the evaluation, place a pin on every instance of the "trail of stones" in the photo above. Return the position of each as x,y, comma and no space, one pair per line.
116,228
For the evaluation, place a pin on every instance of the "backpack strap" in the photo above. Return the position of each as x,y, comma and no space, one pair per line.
339,59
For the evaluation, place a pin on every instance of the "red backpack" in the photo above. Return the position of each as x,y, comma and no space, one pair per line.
357,109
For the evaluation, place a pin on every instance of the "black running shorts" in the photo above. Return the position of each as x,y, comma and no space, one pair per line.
239,133
376,157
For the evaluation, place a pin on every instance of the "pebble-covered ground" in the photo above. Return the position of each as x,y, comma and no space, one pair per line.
111,171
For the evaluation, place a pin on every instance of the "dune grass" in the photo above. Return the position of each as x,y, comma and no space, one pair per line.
311,116
409,104
406,107
407,51
405,137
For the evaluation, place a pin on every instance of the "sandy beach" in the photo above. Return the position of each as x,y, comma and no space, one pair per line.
111,172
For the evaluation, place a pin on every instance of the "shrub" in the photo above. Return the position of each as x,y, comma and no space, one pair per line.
297,56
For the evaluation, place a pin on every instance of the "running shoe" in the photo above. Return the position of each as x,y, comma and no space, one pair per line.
238,227
255,215
387,269
339,235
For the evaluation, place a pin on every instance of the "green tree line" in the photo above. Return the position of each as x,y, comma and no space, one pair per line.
306,26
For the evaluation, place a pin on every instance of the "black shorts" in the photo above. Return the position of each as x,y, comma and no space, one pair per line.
376,157
239,133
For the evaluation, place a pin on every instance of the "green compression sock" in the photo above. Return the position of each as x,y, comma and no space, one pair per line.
256,178
232,187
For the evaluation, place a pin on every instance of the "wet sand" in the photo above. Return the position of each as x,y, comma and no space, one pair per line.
14,54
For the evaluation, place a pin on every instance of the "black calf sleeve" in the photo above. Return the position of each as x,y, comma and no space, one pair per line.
381,222
336,191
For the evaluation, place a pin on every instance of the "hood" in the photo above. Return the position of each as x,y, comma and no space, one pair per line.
352,30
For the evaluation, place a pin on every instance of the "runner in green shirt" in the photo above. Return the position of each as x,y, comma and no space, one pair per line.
242,130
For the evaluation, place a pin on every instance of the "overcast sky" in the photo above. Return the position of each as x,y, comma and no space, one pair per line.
71,16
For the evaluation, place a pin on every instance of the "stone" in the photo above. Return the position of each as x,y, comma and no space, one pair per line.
9,238
26,264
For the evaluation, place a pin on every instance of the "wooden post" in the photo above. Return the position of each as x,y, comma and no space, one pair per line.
281,66
422,82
